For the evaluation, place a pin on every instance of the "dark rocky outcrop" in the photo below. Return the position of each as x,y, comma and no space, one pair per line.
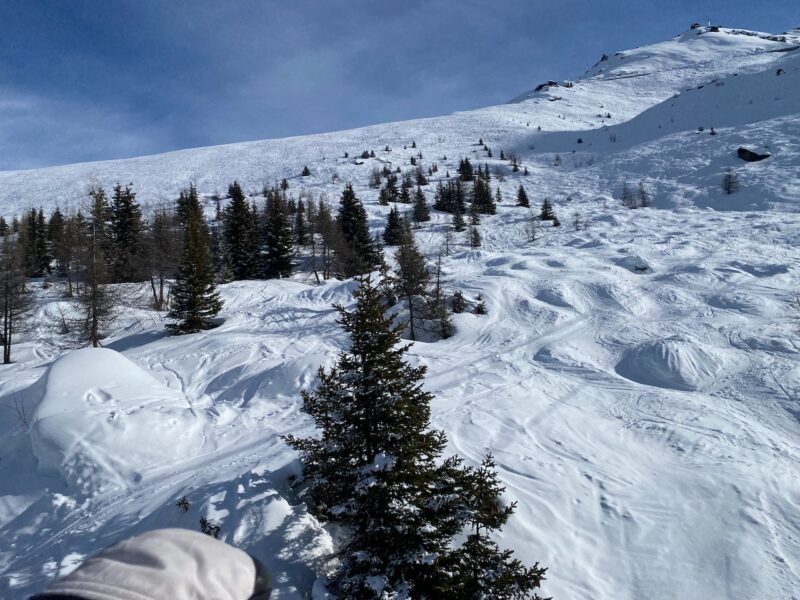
750,156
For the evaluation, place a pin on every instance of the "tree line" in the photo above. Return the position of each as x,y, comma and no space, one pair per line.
182,250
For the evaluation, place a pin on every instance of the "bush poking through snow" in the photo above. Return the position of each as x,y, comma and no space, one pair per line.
480,307
210,528
730,182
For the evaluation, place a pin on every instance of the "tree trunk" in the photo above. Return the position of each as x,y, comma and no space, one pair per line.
411,317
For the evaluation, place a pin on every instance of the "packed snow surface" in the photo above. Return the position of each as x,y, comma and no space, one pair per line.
637,377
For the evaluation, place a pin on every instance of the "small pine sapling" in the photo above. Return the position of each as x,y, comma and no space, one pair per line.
730,182
480,307
210,528
458,303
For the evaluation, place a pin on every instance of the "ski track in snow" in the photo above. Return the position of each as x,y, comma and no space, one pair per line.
646,422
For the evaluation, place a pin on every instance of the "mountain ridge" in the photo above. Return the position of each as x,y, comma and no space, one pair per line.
591,103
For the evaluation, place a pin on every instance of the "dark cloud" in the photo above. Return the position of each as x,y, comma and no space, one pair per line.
87,80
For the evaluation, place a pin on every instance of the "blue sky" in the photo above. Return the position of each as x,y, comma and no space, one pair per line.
106,79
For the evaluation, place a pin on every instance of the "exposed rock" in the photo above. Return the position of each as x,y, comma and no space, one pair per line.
749,155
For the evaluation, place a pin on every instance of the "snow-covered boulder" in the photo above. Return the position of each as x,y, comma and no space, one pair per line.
101,421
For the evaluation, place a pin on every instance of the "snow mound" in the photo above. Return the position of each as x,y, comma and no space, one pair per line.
101,421
634,263
674,363
561,296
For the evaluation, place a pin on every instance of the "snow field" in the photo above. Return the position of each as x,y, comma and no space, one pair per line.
637,380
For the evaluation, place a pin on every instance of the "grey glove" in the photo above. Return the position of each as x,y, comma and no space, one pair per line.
165,564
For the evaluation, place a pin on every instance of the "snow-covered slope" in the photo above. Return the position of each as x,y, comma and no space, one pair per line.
637,379
623,86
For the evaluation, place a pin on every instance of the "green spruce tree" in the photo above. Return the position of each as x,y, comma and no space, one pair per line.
127,237
195,300
359,253
421,212
375,470
547,213
411,278
522,197
393,233
278,238
240,234
480,568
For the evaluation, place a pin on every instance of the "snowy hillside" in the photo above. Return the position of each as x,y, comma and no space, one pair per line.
641,79
637,377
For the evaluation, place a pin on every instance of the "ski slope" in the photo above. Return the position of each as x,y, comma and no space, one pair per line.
637,379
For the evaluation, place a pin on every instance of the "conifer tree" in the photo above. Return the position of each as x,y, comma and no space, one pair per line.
16,300
300,228
128,260
730,182
186,199
547,213
421,212
522,197
442,201
393,233
644,195
481,568
195,300
628,197
482,201
465,171
480,307
359,254
55,238
42,252
458,303
437,309
405,194
389,192
412,277
3,227
278,238
33,241
100,219
458,221
376,471
473,233
240,234
306,171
